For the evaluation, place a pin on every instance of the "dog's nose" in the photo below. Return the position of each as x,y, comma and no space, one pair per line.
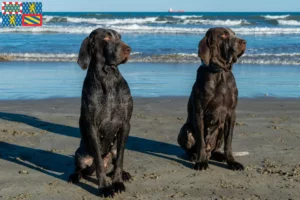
243,42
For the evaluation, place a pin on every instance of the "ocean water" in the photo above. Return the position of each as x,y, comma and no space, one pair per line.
161,42
39,80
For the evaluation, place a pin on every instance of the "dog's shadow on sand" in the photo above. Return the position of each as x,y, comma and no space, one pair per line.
61,166
49,163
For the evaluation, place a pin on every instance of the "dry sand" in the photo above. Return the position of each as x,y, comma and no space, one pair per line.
38,140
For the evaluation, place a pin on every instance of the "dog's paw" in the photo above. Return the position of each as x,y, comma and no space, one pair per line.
235,166
106,192
74,178
119,187
126,176
201,166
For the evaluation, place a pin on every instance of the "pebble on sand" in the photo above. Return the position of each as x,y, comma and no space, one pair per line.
23,172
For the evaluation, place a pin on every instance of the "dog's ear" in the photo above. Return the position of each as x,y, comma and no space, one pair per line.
204,51
84,56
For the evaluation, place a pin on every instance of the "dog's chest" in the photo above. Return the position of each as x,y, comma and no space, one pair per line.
108,139
111,121
220,98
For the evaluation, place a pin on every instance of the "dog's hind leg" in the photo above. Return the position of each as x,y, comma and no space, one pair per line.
186,141
84,164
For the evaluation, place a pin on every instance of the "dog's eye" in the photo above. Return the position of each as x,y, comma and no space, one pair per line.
224,35
107,38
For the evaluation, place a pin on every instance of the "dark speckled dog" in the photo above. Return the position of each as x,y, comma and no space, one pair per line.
211,107
106,108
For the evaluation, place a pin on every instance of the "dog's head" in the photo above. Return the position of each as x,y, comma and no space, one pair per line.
221,43
103,46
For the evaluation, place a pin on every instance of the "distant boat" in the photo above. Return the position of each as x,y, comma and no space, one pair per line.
171,10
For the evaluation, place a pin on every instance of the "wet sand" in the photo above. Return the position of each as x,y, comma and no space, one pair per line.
39,138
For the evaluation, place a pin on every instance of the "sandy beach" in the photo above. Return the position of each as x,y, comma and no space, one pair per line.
38,139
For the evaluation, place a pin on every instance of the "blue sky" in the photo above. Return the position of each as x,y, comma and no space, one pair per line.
164,5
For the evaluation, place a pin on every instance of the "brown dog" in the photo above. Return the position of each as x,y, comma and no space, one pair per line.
211,106
106,108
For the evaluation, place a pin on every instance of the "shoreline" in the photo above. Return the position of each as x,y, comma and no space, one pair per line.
173,59
260,98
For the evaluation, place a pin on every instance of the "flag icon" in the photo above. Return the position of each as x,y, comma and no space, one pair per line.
12,8
32,20
32,7
21,14
11,20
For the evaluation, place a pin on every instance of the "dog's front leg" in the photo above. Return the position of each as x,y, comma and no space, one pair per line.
119,174
202,161
104,187
229,126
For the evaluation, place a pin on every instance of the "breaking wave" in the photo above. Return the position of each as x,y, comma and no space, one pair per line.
140,29
276,59
222,22
40,57
187,16
54,19
261,59
194,19
289,22
275,16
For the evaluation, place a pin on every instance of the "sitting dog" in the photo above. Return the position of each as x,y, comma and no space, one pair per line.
212,103
106,108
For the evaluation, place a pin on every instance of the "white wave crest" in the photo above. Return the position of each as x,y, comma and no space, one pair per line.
194,19
187,16
41,57
271,58
140,29
51,29
289,22
135,57
176,30
113,21
168,58
47,18
269,62
104,21
44,57
275,16
259,59
221,22
272,54
267,31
